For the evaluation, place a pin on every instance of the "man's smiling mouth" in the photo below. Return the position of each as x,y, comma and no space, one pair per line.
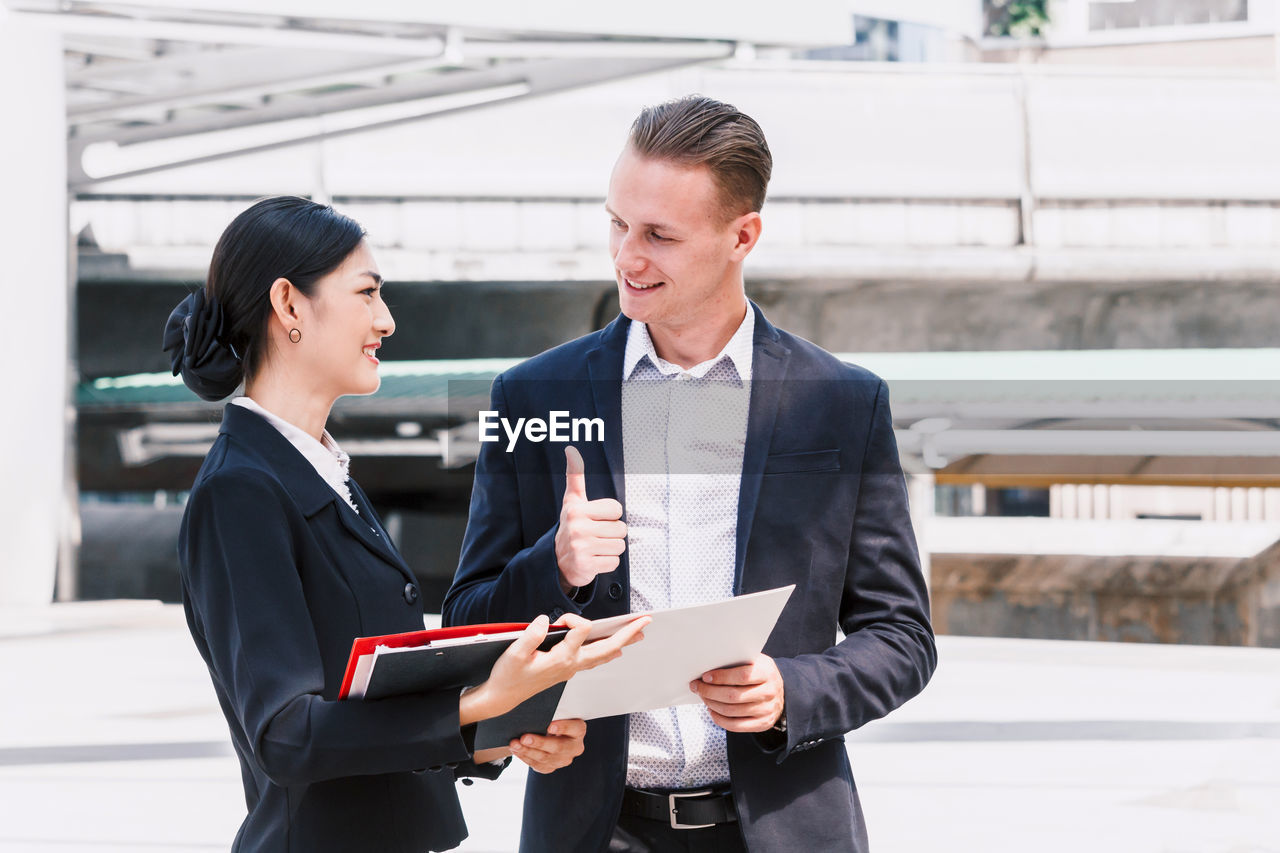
639,285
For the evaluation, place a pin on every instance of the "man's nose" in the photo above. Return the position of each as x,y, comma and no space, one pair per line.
629,258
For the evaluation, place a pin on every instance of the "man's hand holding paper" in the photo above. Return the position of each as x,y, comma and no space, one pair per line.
747,698
682,645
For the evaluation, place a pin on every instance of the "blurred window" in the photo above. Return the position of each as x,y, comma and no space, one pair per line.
1018,502
1165,13
963,501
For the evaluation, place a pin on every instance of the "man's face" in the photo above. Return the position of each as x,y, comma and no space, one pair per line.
676,259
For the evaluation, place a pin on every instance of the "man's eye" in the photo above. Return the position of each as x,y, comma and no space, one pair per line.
369,291
616,224
661,238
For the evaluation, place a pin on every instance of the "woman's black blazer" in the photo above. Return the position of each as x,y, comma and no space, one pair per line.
278,576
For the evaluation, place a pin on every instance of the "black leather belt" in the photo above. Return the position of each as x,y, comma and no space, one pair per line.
695,808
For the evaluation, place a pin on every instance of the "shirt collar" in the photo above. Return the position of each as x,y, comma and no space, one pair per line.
325,455
737,350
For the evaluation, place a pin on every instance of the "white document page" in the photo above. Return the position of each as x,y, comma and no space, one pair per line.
678,646
360,683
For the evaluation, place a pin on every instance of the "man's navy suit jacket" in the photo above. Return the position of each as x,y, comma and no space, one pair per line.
822,505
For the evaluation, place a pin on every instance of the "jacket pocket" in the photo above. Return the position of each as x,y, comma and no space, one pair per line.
803,463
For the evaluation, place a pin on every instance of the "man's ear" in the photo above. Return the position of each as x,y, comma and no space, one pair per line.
746,229
284,297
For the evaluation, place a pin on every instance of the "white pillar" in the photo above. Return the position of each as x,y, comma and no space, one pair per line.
1084,501
1221,504
1239,504
1255,504
921,492
1270,504
33,246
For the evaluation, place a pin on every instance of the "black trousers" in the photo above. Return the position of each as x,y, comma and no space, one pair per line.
644,835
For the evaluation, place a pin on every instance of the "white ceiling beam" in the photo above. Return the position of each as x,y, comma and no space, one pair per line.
134,53
108,161
595,49
190,63
220,92
181,31
542,76
319,121
312,107
798,23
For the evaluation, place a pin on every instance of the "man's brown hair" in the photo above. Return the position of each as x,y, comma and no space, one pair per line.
700,131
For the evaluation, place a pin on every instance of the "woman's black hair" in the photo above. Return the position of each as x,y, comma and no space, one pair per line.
217,337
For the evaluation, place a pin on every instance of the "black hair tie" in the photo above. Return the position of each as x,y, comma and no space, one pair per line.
194,338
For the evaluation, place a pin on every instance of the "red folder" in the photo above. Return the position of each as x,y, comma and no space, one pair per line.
366,645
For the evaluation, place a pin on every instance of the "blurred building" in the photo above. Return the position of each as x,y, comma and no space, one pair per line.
1061,249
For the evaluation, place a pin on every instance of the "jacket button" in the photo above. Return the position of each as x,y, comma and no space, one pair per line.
555,614
615,590
410,593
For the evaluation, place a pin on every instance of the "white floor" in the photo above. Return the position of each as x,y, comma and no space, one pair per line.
110,740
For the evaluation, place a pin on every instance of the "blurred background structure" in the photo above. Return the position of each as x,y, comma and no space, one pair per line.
1052,225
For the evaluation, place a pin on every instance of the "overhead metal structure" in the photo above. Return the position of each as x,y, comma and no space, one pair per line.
1154,417
149,85
235,78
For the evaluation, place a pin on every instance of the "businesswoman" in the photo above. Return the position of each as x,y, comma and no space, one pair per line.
284,561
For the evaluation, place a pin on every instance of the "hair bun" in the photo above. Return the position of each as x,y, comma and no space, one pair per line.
194,338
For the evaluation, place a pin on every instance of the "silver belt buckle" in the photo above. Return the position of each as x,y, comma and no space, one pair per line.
671,808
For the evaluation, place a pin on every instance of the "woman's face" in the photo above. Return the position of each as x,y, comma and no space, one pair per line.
347,323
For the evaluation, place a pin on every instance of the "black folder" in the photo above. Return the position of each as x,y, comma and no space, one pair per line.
418,666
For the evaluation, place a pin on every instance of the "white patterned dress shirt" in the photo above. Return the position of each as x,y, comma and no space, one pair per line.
329,460
683,436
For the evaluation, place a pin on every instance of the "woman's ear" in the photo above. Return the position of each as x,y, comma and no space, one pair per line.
284,297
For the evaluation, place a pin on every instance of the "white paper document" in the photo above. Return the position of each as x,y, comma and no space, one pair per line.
678,647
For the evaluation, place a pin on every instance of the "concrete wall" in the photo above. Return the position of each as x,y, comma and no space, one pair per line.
1206,600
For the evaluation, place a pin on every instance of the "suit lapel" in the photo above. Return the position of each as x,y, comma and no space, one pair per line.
308,488
768,371
604,366
369,531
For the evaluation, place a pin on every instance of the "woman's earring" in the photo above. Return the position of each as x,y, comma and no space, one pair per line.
295,335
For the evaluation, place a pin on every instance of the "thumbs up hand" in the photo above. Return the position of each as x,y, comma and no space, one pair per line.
591,536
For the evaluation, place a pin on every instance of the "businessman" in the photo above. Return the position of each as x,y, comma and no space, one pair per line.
735,457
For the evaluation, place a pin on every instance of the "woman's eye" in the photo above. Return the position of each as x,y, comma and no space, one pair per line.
616,224
368,291
660,237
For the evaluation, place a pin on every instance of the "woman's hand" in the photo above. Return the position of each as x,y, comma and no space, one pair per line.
562,743
523,671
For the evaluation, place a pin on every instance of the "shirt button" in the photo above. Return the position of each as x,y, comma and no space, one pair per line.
555,614
410,593
615,590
